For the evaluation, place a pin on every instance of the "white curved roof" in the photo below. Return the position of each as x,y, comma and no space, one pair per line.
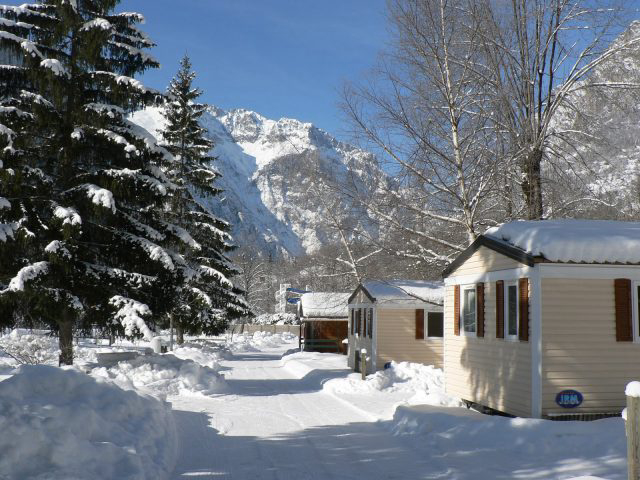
580,241
324,305
406,292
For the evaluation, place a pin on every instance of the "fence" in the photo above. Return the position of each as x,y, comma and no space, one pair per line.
252,328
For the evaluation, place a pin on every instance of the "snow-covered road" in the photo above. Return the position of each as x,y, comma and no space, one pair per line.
276,425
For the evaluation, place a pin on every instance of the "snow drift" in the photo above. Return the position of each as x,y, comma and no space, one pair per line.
460,441
404,383
164,375
259,340
62,424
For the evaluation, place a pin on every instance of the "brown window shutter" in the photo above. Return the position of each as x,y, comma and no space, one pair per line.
499,309
523,293
456,309
419,324
624,328
480,309
359,321
371,323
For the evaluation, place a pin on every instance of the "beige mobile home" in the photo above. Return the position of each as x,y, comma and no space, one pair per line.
542,318
396,321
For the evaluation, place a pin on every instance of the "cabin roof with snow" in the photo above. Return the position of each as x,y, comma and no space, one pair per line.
401,292
324,305
560,241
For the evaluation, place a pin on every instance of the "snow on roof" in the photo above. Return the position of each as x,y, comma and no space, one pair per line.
325,304
405,291
582,241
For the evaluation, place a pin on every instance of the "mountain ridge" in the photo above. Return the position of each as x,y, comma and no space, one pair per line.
274,175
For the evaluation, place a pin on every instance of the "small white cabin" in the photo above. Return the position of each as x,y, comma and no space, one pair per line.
323,316
542,318
399,320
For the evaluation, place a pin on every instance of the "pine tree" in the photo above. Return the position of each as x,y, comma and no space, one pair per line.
82,189
204,296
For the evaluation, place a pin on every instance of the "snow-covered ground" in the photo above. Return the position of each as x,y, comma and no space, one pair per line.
247,407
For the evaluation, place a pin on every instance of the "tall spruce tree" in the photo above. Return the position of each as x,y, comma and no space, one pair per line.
204,297
82,236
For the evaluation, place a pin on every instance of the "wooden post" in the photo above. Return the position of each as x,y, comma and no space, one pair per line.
633,416
300,337
632,426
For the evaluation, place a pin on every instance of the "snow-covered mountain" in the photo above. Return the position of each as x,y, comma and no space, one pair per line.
597,130
271,177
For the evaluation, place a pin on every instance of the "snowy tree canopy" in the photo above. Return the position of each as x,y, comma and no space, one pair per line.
82,186
203,296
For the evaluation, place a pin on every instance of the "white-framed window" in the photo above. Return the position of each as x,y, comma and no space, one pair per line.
511,307
468,314
435,325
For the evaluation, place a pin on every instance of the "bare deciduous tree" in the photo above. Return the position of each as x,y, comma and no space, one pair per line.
538,53
425,113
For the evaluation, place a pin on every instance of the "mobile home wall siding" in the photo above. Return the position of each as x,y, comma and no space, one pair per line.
397,342
579,347
490,371
485,260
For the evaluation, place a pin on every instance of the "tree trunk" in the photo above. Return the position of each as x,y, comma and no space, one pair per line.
509,200
532,184
66,342
179,333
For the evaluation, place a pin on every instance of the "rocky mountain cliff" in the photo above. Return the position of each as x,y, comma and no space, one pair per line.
275,176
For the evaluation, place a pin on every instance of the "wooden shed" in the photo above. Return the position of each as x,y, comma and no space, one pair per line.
398,321
542,318
323,317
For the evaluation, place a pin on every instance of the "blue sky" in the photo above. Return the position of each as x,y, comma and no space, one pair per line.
281,58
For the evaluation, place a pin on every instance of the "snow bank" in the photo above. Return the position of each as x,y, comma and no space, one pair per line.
418,383
584,241
303,363
404,383
164,375
467,445
62,424
207,354
259,340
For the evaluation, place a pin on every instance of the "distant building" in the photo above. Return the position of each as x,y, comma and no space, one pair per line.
398,321
542,318
324,321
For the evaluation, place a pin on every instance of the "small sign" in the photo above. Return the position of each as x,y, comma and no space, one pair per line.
569,398
297,290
